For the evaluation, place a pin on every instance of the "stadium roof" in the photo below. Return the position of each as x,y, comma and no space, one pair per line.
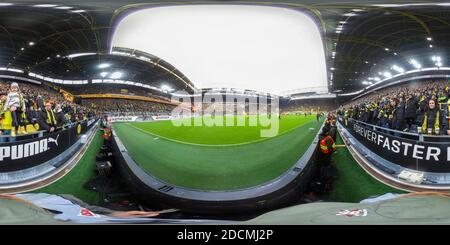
363,39
122,64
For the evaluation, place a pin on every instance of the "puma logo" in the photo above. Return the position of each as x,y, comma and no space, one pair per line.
51,140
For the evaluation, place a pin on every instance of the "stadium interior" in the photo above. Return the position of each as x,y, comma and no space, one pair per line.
157,122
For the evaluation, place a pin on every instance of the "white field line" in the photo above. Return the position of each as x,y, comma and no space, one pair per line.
238,144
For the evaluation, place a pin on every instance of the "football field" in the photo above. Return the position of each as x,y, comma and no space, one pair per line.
217,157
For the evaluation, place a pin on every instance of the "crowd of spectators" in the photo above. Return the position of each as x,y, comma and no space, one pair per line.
309,106
232,108
122,107
32,92
421,106
26,108
116,89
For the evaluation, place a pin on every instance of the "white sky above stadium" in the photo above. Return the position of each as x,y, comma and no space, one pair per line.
263,48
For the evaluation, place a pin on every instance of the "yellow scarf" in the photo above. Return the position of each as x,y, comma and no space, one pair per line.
436,123
51,118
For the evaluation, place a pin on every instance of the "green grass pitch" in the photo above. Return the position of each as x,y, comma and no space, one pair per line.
219,157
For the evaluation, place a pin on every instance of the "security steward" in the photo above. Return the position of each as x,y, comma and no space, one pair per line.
47,120
333,128
323,183
327,146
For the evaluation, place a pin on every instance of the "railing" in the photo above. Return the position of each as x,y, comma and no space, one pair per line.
25,154
137,114
6,138
36,134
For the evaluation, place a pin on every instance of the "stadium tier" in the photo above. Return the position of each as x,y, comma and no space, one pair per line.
295,112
